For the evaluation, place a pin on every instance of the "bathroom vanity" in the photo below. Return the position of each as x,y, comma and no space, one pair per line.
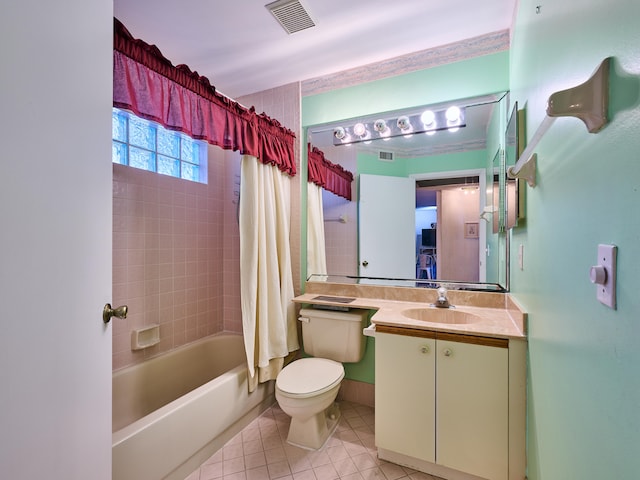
444,402
450,383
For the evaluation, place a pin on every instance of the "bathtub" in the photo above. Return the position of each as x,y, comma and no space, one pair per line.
174,411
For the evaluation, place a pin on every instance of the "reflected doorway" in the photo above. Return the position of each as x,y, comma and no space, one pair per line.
447,228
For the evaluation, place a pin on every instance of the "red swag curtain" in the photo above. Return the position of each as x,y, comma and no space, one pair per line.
328,175
148,84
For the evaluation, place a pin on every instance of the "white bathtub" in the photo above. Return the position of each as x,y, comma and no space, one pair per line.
174,411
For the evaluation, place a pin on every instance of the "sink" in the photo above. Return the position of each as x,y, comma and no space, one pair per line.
440,315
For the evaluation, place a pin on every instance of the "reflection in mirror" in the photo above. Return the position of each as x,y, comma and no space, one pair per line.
465,156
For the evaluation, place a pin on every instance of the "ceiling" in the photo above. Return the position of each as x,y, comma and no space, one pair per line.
241,48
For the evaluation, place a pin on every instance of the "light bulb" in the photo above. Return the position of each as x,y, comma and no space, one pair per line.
339,133
428,119
453,114
380,125
404,123
359,129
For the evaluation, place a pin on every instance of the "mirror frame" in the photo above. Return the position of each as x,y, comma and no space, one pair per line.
514,189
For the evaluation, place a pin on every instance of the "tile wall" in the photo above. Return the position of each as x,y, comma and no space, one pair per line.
341,239
167,257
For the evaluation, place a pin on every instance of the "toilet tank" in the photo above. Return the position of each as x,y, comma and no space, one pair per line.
336,335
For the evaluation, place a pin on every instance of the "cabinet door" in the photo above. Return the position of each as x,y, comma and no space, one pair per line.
472,409
405,397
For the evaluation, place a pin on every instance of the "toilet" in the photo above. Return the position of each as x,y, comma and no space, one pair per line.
306,389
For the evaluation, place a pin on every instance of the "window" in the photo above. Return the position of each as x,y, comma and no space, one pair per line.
146,145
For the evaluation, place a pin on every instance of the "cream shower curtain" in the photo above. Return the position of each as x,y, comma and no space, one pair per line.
268,315
316,253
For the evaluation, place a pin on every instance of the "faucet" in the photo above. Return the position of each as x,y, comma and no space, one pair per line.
442,301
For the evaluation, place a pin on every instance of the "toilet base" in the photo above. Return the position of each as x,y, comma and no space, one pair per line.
313,432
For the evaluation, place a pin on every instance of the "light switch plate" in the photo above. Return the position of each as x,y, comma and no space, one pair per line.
607,259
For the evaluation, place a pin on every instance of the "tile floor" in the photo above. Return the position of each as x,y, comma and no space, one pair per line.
260,452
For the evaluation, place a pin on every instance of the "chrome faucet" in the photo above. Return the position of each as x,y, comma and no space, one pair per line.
442,301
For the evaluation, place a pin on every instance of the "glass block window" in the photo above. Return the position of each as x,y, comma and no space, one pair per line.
146,145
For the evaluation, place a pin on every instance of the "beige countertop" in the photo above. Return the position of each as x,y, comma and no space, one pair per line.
494,314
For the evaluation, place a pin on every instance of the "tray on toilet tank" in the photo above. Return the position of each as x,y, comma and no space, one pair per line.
335,313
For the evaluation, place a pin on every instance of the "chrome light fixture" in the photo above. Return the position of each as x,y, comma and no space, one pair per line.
430,121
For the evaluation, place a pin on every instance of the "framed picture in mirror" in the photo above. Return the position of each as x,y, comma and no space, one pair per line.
471,230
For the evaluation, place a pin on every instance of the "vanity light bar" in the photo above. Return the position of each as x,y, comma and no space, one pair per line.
429,122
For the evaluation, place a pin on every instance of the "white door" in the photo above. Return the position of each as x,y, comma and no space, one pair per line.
55,240
386,227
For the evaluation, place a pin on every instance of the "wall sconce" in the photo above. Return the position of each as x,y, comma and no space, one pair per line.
428,122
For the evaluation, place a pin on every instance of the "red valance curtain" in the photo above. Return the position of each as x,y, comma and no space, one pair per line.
328,175
148,84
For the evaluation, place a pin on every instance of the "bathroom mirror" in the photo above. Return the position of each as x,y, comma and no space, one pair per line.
442,170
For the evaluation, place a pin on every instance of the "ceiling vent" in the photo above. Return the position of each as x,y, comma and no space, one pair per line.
291,14
385,156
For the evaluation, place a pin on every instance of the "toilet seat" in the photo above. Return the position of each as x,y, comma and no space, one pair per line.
309,377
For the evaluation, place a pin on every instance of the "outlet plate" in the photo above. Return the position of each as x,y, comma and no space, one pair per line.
606,291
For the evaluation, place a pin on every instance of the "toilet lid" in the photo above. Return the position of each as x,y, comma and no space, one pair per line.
309,375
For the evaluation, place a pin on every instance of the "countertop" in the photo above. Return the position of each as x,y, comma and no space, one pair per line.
498,316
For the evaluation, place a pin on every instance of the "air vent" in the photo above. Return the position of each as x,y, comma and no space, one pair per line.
385,156
291,15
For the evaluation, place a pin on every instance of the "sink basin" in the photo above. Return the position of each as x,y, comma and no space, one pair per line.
440,315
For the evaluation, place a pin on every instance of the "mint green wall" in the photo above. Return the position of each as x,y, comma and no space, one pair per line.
403,167
584,358
468,78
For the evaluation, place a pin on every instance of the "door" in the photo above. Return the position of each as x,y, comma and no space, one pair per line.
386,227
55,255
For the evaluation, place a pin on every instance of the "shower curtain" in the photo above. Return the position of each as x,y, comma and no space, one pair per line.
316,251
268,314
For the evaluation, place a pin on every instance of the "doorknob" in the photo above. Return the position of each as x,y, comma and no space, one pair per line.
108,312
365,263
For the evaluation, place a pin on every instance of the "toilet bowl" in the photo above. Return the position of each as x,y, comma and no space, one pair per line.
306,390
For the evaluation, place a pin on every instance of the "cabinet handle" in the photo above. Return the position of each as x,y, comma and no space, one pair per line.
447,352
424,349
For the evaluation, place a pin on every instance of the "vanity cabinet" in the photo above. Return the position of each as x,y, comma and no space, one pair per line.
405,401
443,403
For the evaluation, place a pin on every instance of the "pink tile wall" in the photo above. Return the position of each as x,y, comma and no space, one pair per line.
167,257
176,256
341,239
